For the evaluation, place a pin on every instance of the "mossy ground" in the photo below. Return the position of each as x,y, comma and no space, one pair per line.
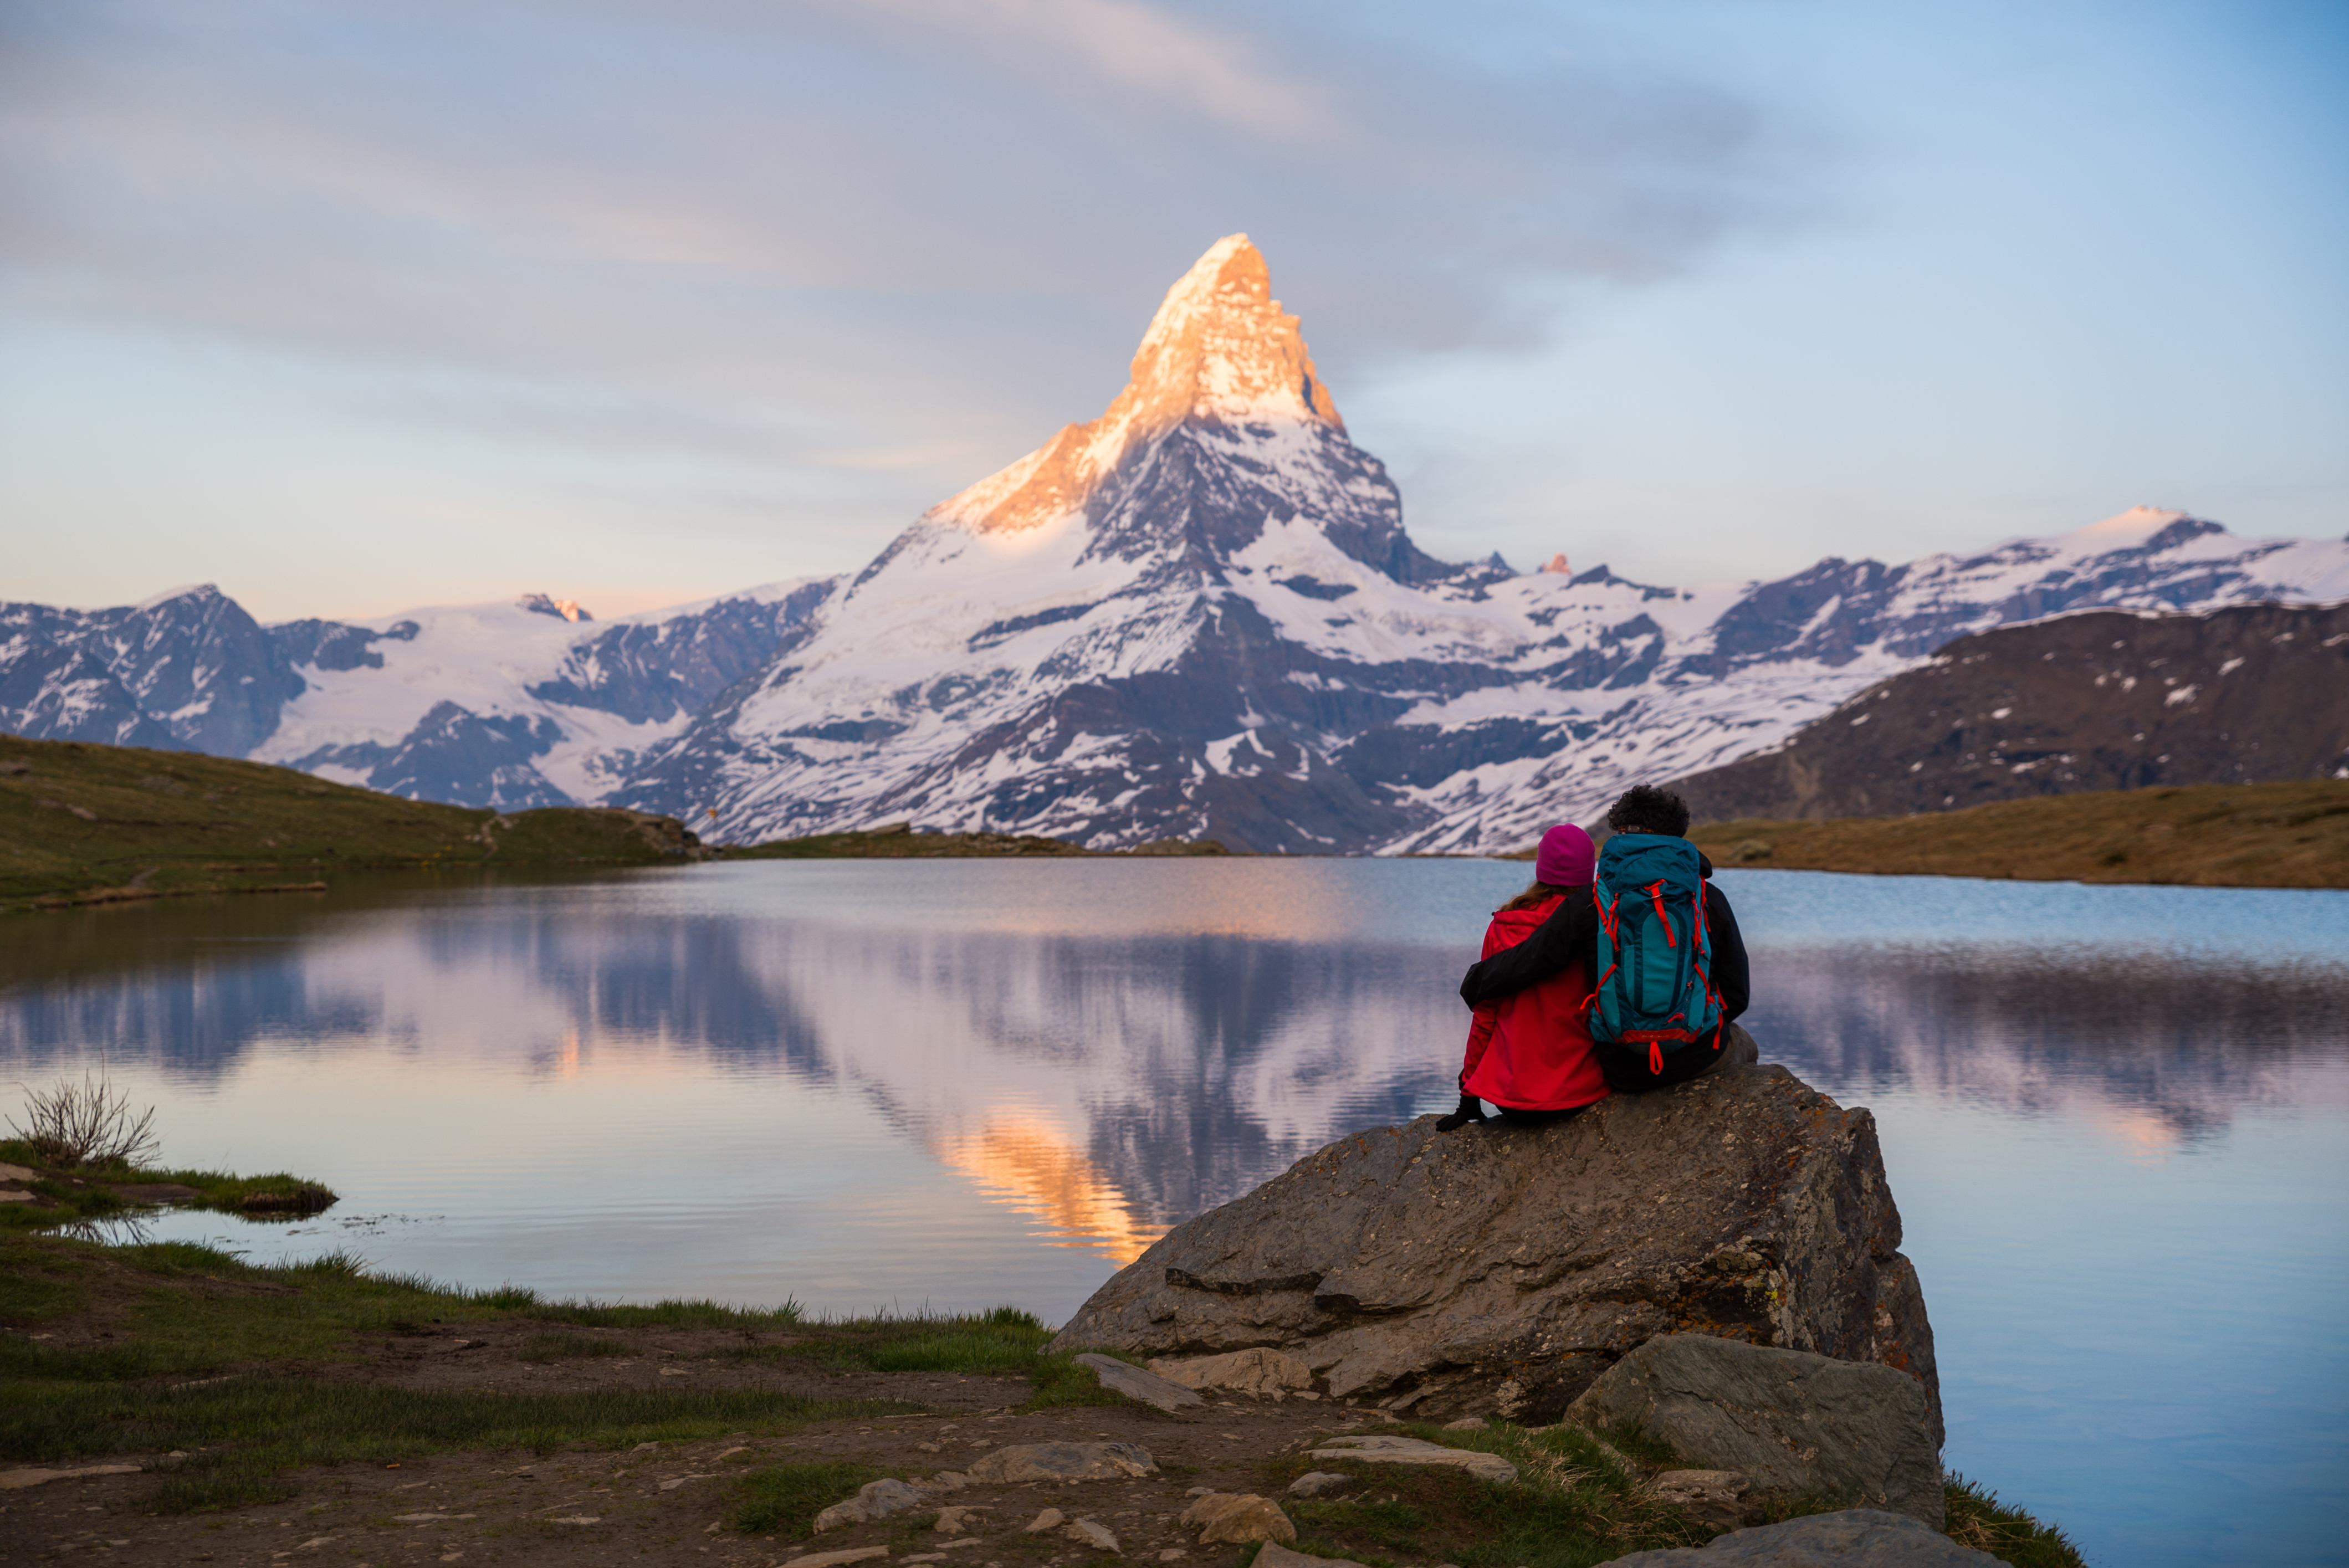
250,1369
82,823
2217,835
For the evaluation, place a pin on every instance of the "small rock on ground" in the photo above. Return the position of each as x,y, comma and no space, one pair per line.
1050,1519
1064,1461
1275,1555
1136,1384
955,1519
1855,1535
1239,1518
873,1499
1092,1532
1381,1449
1319,1483
836,1559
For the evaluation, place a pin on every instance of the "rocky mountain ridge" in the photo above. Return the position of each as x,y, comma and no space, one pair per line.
2096,700
1199,615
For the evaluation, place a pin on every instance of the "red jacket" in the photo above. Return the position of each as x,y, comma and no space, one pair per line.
1529,1050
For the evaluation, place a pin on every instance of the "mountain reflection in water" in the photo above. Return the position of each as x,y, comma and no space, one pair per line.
2114,1117
1111,1085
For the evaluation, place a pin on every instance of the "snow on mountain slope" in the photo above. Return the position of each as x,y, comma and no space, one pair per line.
1199,615
518,705
1786,652
521,704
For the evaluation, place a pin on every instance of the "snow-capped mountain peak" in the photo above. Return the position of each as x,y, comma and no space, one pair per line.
1219,350
2119,531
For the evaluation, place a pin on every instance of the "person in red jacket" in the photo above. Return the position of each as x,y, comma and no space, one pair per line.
1529,1052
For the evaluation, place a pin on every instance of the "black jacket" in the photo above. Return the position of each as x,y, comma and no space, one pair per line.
1573,932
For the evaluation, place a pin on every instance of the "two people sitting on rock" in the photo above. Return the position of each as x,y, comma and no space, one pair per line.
1669,967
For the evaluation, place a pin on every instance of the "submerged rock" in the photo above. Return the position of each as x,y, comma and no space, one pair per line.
1789,1421
1501,1270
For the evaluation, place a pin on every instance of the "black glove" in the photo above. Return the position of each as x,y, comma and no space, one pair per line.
1471,1109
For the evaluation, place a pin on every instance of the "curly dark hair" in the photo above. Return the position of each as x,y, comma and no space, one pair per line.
1649,809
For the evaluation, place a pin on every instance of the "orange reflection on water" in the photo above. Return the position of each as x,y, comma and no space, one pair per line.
1028,1164
2149,1136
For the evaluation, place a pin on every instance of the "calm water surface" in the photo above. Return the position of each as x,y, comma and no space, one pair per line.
2113,1118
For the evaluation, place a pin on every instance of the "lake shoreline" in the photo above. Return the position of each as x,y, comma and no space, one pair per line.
173,1391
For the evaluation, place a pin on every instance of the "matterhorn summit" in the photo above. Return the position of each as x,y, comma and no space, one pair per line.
1147,627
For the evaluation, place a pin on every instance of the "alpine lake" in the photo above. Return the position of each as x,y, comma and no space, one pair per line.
2116,1119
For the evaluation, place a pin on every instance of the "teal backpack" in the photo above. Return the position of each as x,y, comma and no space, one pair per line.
1654,961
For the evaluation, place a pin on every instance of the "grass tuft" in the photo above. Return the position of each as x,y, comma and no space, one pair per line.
1978,1519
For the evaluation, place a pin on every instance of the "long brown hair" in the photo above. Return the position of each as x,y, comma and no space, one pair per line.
1537,894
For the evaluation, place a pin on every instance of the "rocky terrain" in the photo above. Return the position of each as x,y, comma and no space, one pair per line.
1198,616
1493,1271
2249,694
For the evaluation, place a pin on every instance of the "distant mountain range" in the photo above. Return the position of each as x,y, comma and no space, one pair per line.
1198,616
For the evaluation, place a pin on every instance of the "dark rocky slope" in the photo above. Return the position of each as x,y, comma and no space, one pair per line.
2103,700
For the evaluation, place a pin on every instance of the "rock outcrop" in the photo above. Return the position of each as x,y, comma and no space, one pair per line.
1787,1420
1500,1270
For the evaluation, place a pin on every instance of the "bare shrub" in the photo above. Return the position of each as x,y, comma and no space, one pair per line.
88,1123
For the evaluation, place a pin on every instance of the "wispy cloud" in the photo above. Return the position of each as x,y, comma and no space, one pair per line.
812,245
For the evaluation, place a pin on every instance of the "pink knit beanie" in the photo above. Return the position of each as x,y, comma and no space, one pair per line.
1565,857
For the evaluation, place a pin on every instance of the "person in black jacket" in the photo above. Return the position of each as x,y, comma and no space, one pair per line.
1573,932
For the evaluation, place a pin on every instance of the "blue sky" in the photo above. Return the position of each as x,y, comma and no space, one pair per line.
355,306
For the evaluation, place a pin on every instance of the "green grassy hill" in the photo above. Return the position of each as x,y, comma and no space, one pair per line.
84,823
2213,835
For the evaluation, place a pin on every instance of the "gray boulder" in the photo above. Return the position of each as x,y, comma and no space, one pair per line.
1497,1270
1062,1462
1855,1537
1787,1420
875,1500
1136,1384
